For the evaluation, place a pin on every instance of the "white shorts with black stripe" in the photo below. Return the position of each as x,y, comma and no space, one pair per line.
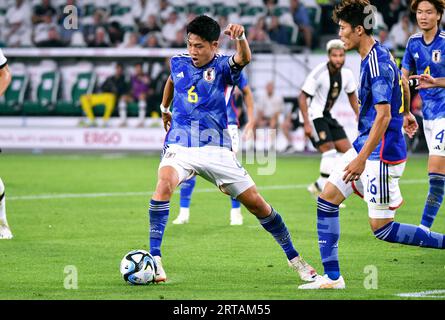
216,164
378,185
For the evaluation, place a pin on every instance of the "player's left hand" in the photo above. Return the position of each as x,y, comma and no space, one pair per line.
354,170
167,119
410,125
234,30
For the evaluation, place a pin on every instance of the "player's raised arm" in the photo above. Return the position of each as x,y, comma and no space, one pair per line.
167,98
5,79
243,54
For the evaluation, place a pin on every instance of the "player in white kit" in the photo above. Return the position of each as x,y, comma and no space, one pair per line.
323,87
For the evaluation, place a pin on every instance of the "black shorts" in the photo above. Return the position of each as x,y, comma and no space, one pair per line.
327,130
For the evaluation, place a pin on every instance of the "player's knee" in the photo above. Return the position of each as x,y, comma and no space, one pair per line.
2,187
331,194
257,205
377,224
165,188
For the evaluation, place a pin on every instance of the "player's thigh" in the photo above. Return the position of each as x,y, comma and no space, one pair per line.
336,177
179,160
381,188
221,167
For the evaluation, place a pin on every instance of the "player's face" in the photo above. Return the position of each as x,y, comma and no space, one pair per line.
427,16
337,58
348,35
200,50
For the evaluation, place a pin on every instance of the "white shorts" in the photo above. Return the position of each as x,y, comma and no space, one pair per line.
435,136
215,164
378,185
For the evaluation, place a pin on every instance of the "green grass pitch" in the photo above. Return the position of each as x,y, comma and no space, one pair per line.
87,211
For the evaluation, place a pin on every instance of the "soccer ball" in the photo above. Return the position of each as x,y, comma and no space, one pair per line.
138,267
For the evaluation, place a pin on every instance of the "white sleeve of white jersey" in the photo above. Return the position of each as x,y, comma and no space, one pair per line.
3,59
310,84
350,85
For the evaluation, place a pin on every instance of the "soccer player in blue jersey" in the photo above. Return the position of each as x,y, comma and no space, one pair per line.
188,186
197,142
373,166
425,55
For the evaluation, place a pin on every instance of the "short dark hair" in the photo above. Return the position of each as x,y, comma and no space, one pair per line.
204,27
353,12
438,4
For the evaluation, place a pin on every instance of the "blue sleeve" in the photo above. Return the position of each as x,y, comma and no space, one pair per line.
243,81
408,62
382,84
231,72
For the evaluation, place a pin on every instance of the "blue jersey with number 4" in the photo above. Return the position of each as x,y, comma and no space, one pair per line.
232,113
429,58
200,101
380,83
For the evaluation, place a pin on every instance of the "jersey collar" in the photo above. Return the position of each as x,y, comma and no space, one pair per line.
434,39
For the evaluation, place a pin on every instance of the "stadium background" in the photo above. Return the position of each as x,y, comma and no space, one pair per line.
87,210
57,53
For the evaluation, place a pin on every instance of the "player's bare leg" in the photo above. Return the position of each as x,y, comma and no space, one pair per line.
274,224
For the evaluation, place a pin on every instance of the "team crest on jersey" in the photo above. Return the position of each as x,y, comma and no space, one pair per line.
209,74
436,56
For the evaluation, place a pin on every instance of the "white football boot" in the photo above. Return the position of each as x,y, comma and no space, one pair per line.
5,231
236,219
323,282
160,275
183,216
306,272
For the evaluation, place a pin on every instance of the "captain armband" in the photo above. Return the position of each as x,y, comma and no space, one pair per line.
233,65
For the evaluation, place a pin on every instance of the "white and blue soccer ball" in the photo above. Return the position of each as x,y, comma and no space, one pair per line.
138,267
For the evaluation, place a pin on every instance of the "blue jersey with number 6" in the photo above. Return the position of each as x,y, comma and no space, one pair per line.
429,58
380,83
200,101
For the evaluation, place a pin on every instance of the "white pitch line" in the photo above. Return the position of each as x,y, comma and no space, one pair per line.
129,194
424,294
